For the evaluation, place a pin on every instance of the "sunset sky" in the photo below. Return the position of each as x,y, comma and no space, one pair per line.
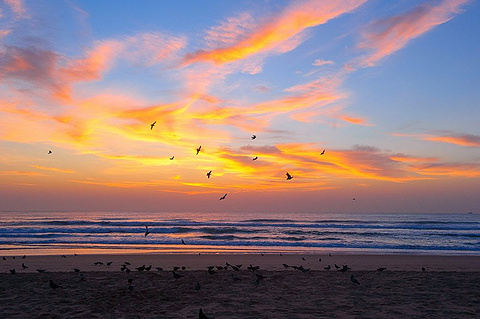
389,89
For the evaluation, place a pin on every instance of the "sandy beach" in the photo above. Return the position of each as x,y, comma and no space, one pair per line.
448,288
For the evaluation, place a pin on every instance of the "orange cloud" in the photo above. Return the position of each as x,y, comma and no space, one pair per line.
387,36
53,169
468,140
355,120
275,34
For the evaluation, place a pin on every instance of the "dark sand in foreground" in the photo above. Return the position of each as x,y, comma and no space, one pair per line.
449,288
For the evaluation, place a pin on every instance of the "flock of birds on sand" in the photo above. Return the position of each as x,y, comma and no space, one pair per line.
212,270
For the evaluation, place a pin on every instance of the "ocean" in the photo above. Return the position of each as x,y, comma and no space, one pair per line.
48,233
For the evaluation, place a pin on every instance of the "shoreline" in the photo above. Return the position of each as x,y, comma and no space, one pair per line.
267,261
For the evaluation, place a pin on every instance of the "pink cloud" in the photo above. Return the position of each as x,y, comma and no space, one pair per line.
17,7
320,62
384,37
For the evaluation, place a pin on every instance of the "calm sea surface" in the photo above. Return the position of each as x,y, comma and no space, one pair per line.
43,233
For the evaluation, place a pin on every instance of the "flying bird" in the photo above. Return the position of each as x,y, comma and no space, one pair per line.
289,176
49,152
183,242
254,137
209,174
323,152
198,149
152,125
171,158
353,198
354,280
223,197
146,231
255,158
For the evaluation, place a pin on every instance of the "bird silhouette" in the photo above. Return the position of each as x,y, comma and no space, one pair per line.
146,231
223,197
41,270
109,263
289,176
12,271
255,158
209,174
148,268
337,266
201,315
323,152
141,268
254,137
198,149
23,266
175,275
381,269
354,280
327,268
183,242
171,158
54,285
76,270
49,152
423,269
353,198
286,266
4,258
152,125
24,256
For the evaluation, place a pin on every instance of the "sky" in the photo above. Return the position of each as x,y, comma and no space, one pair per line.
389,89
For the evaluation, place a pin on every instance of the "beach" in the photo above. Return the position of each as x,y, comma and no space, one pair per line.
448,288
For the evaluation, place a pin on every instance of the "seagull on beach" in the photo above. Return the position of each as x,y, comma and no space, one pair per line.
354,280
76,270
152,125
146,231
12,271
327,268
23,266
41,270
381,269
54,285
289,176
223,197
201,315
141,268
209,174
198,149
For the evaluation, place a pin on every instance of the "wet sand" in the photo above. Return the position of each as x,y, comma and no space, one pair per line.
448,288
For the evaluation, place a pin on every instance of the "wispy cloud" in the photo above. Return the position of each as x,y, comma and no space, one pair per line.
281,33
386,36
460,139
320,62
53,169
18,8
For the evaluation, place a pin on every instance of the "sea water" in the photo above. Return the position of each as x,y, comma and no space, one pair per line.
44,233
